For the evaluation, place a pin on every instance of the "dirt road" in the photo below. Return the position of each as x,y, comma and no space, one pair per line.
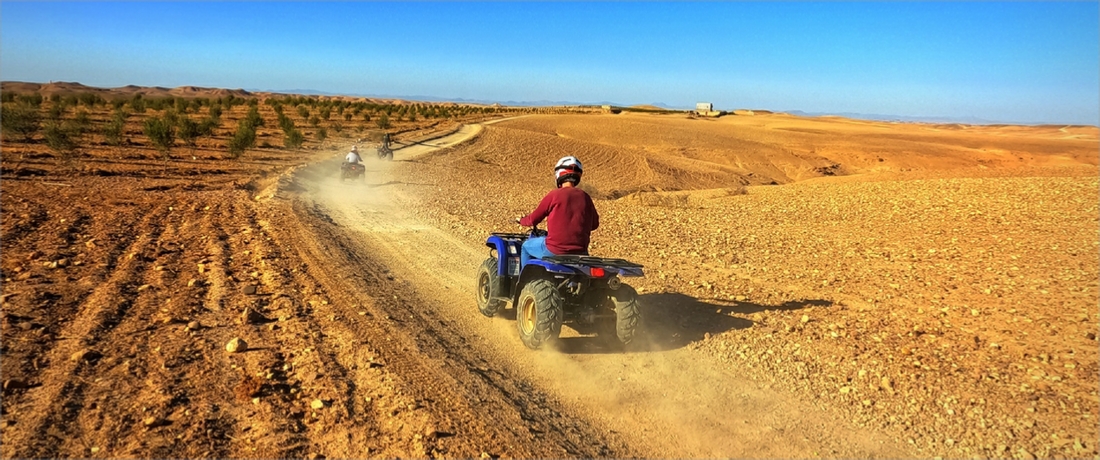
658,401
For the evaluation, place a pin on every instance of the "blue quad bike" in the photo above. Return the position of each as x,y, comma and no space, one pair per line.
583,291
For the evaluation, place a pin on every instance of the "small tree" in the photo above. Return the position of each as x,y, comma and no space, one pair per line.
322,134
325,113
242,140
347,116
293,139
189,132
61,138
138,104
216,112
383,121
337,127
162,134
20,119
113,130
253,118
303,111
314,121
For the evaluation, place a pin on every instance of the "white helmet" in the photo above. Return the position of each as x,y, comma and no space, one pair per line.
568,168
355,148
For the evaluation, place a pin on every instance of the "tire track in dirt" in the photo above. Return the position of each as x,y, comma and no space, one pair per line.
62,384
461,398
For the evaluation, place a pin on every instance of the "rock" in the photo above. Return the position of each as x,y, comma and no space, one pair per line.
1090,335
1024,454
236,345
62,262
153,422
84,355
194,326
143,287
317,404
194,282
250,316
887,384
805,319
250,289
740,298
202,268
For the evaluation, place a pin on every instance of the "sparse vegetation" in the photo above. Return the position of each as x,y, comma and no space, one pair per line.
243,139
20,119
62,139
383,122
161,133
293,139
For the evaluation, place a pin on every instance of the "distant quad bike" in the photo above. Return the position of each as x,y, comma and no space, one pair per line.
351,171
384,153
582,291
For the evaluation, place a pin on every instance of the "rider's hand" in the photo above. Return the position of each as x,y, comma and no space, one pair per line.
518,219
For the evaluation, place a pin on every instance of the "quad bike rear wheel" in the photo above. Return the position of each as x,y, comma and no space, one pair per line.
539,313
623,329
487,288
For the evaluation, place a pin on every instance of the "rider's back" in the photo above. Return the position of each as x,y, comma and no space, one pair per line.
571,219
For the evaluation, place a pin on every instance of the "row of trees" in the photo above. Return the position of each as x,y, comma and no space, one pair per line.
66,121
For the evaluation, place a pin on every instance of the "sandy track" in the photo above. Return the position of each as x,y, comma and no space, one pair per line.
660,401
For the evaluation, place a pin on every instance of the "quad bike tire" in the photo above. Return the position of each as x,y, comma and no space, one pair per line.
621,331
539,313
385,155
487,288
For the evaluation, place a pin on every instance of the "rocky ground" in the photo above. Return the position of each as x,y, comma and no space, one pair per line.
958,313
207,309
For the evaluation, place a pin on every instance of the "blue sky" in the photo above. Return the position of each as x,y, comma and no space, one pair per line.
1014,61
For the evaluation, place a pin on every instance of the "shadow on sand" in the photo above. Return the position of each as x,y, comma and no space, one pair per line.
675,320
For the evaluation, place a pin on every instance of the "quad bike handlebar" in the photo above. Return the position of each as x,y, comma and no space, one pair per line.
535,231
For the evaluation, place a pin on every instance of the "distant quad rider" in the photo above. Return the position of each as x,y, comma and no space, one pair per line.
570,214
353,156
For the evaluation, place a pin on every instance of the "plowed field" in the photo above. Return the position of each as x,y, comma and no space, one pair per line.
815,287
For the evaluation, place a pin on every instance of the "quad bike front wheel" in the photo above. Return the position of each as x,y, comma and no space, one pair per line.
623,329
487,288
539,313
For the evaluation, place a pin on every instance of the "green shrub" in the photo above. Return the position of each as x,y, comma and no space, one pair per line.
243,139
56,112
337,127
206,128
32,99
383,121
7,97
82,121
138,104
366,117
322,134
188,131
347,117
325,113
216,112
253,118
113,130
303,111
285,123
314,121
161,133
293,139
20,119
61,138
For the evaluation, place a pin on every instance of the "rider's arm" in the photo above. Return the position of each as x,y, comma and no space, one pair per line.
538,214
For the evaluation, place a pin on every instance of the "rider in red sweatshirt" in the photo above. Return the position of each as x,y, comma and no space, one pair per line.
570,216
